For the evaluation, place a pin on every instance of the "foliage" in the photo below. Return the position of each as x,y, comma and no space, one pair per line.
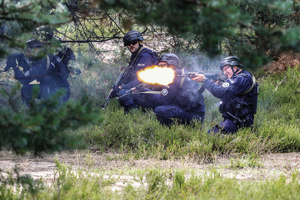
260,28
258,31
24,185
156,184
245,161
45,125
96,78
20,19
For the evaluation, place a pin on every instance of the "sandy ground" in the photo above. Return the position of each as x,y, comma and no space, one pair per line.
271,165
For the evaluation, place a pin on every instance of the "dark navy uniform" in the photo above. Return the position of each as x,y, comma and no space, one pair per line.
49,73
238,104
145,58
140,59
179,100
182,103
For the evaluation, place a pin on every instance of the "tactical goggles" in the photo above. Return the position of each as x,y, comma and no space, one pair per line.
133,42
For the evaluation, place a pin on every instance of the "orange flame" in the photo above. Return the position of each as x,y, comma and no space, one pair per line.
156,75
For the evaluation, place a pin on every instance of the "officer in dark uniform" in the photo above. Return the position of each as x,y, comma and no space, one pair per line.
141,58
238,95
21,65
31,70
180,101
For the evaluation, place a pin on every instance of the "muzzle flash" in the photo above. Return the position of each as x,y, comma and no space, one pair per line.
155,75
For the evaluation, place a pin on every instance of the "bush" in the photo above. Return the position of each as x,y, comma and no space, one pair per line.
45,125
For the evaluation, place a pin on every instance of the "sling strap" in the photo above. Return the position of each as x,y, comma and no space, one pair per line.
34,82
135,57
252,86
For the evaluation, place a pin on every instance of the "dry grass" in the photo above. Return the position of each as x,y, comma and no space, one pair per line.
283,63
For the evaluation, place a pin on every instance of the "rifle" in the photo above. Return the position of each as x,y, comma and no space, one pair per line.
114,87
210,76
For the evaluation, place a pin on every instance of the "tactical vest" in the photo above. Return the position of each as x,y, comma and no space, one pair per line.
242,107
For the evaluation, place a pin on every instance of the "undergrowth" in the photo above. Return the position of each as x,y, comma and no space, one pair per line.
150,184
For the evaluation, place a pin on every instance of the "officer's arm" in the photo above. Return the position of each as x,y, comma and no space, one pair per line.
58,67
229,88
21,77
10,62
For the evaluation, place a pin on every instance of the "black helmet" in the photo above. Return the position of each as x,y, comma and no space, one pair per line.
169,58
132,35
45,33
230,60
66,54
34,43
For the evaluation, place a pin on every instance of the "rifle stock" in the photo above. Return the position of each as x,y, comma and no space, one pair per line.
107,99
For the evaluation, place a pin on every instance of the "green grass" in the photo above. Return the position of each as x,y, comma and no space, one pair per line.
139,134
245,161
152,184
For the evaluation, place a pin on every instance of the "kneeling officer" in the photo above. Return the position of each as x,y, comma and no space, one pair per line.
238,95
183,102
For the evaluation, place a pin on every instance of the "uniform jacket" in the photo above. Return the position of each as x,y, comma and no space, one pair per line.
145,58
183,93
49,74
233,100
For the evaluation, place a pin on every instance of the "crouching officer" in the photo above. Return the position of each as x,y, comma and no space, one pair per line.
238,95
141,58
182,101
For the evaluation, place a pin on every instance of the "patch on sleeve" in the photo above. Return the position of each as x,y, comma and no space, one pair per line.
225,85
34,82
27,73
58,59
141,64
20,68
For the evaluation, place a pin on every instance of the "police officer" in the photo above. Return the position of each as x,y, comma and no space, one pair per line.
181,100
34,69
21,65
141,57
238,95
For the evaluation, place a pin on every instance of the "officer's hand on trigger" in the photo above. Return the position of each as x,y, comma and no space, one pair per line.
199,77
134,90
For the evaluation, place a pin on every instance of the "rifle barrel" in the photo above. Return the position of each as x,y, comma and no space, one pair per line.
211,76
